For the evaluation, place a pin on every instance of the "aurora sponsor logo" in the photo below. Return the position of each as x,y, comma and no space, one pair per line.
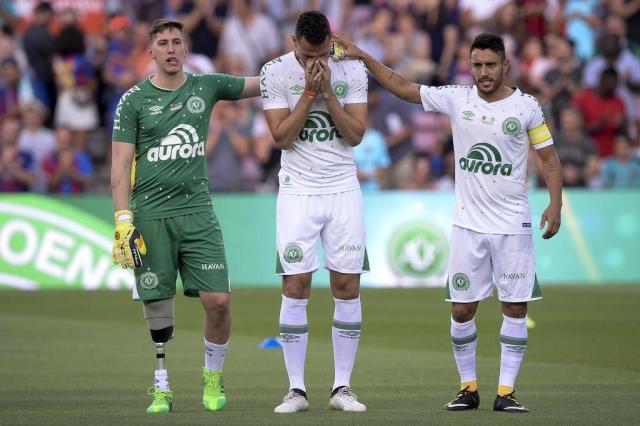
182,141
418,250
319,127
47,244
486,159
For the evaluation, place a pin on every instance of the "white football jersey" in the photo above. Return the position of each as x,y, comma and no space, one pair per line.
319,161
491,144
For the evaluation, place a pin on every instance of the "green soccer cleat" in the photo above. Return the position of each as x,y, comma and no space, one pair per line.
162,401
213,397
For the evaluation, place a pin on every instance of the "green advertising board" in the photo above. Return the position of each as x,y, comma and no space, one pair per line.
66,242
46,243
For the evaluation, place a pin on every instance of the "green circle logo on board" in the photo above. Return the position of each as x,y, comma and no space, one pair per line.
418,250
511,126
293,254
340,88
148,280
195,105
460,281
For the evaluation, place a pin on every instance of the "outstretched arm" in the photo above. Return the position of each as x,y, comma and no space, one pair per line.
251,88
553,178
388,78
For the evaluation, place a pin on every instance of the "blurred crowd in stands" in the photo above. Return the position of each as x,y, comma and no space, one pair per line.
64,65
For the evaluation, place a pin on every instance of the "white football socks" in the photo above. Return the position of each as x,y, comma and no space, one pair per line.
161,380
347,324
214,355
464,340
294,335
513,341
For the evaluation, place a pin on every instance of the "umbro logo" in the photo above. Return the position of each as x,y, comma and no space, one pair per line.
156,109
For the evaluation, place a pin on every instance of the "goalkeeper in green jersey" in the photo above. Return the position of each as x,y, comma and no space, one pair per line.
164,218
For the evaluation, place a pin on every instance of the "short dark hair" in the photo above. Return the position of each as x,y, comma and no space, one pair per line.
43,7
159,25
313,26
489,41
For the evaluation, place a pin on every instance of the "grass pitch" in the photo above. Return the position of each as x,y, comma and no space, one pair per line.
71,357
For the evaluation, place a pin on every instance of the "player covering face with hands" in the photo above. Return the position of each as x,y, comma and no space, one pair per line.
491,243
165,223
316,111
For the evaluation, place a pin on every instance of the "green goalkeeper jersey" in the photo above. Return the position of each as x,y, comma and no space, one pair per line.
169,129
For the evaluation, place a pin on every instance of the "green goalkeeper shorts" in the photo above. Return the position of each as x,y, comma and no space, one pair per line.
190,244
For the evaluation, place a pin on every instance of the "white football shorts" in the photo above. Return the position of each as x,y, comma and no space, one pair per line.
336,219
477,261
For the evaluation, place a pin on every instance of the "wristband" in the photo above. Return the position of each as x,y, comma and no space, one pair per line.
123,216
310,93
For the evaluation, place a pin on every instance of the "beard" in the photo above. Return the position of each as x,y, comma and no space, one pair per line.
496,83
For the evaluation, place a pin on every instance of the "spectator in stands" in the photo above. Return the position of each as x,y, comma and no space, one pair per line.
17,88
603,111
68,169
227,147
266,153
621,170
36,139
440,19
576,150
629,10
76,109
16,166
478,16
203,20
118,72
582,18
372,159
251,36
394,117
563,80
461,70
38,45
141,63
625,63
533,65
421,178
447,180
411,53
376,37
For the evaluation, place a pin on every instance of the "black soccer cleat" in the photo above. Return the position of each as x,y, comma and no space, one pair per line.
509,404
465,400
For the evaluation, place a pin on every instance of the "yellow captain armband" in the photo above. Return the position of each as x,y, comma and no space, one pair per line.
539,134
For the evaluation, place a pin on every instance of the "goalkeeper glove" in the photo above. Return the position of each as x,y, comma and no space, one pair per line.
128,244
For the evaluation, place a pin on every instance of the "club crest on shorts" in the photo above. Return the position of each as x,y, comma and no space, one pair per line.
293,253
460,282
148,280
195,105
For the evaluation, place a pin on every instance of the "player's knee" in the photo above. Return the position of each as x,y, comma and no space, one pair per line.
514,310
158,313
297,286
163,335
463,312
218,302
